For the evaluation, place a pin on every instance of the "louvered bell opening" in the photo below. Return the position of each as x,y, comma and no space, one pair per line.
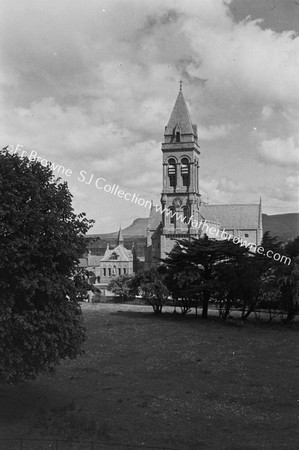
172,175
185,174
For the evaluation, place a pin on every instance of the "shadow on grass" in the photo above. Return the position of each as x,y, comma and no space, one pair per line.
212,320
38,410
22,400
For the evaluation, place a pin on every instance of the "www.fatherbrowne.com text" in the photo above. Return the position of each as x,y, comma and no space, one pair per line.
100,184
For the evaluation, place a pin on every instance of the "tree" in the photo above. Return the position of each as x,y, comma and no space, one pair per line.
288,279
199,258
247,282
41,240
183,284
151,284
122,287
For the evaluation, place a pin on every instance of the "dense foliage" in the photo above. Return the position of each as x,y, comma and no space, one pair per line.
41,240
205,271
151,285
200,273
122,287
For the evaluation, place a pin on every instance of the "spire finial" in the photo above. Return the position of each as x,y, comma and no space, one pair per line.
181,85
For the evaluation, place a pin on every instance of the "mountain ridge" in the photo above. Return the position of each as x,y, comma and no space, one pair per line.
284,226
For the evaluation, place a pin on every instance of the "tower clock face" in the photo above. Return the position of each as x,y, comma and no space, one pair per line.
177,202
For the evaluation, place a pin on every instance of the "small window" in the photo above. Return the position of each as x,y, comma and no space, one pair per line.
185,171
186,211
173,215
119,271
177,136
104,270
125,271
109,272
246,235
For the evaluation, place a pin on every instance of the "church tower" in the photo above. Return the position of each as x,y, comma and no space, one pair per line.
180,196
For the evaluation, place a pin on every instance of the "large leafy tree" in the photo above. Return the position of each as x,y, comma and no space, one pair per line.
197,261
41,240
151,284
122,286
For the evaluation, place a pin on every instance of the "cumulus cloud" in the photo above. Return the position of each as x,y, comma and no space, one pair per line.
225,191
92,84
214,132
282,152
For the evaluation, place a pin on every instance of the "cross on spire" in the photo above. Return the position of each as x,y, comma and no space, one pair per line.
181,85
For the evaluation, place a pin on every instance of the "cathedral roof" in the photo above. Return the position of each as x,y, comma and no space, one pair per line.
208,214
236,217
230,217
180,116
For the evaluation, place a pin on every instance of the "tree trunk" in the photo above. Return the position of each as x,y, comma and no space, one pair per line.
244,317
205,305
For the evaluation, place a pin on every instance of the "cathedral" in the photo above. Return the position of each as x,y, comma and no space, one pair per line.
182,213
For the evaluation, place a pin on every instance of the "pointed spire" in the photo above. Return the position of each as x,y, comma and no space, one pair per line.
120,239
180,116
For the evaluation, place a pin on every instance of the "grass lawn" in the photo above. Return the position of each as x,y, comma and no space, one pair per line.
184,383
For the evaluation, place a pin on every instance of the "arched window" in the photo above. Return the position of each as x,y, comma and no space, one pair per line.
172,172
185,171
177,136
172,215
186,212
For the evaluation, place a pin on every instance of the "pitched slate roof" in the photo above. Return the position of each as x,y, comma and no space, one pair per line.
208,215
235,217
124,254
94,260
180,115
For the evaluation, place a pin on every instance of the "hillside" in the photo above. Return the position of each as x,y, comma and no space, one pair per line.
136,229
284,226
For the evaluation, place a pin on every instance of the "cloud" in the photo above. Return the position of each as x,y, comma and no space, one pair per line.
284,153
267,112
224,191
285,192
214,132
91,85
